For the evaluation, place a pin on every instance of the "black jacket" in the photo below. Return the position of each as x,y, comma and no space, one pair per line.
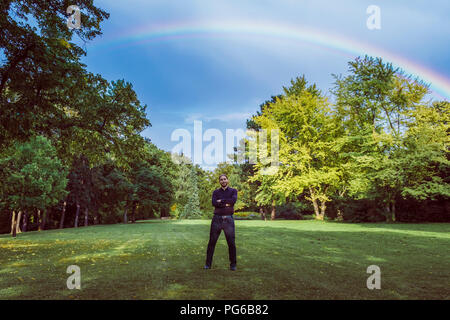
228,198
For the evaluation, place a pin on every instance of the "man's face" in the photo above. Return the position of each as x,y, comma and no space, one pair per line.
223,181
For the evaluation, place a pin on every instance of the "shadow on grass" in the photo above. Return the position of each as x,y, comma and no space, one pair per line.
164,260
436,226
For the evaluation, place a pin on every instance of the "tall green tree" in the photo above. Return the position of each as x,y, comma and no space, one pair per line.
206,183
41,64
191,209
154,191
381,110
80,188
35,178
111,189
425,153
306,148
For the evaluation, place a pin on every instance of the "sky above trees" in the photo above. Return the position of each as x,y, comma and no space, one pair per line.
222,76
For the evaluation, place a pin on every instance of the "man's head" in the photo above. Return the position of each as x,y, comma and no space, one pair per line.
223,180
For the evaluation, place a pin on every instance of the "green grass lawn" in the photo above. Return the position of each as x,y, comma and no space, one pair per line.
276,260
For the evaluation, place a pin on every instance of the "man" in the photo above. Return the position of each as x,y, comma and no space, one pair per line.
223,200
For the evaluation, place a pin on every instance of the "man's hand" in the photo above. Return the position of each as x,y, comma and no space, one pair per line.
226,204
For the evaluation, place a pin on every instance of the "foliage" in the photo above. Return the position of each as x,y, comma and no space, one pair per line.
33,177
307,133
395,143
192,207
41,69
247,215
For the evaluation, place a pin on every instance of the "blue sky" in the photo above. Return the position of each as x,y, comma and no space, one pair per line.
221,79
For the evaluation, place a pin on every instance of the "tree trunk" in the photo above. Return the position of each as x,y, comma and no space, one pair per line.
44,219
18,222
39,220
76,216
263,214
61,223
96,218
316,208
25,221
340,216
133,211
13,224
164,212
272,215
86,217
389,213
323,207
314,202
393,211
125,217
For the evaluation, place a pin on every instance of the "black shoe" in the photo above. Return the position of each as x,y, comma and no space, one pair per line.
206,267
233,268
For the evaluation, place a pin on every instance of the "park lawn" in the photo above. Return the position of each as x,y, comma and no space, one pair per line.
159,259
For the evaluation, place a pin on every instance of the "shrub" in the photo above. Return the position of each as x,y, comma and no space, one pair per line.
207,214
292,211
411,210
247,215
358,210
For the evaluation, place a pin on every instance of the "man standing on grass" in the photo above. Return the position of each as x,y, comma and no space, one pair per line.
223,200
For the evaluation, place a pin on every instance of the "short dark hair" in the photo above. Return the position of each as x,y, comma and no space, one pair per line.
223,174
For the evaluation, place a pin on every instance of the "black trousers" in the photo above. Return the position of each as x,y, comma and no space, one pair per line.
219,223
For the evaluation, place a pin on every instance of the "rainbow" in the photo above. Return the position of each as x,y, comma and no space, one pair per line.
439,84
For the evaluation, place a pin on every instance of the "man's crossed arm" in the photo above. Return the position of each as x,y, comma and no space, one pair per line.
227,202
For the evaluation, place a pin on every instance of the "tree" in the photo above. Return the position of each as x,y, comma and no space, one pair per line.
80,186
426,153
182,184
165,170
45,89
306,149
153,190
297,87
35,177
267,195
192,207
39,63
380,107
206,183
110,192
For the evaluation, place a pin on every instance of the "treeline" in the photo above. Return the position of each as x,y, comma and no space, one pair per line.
71,152
38,192
375,149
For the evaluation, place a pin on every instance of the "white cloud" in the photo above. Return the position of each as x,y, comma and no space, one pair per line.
230,117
